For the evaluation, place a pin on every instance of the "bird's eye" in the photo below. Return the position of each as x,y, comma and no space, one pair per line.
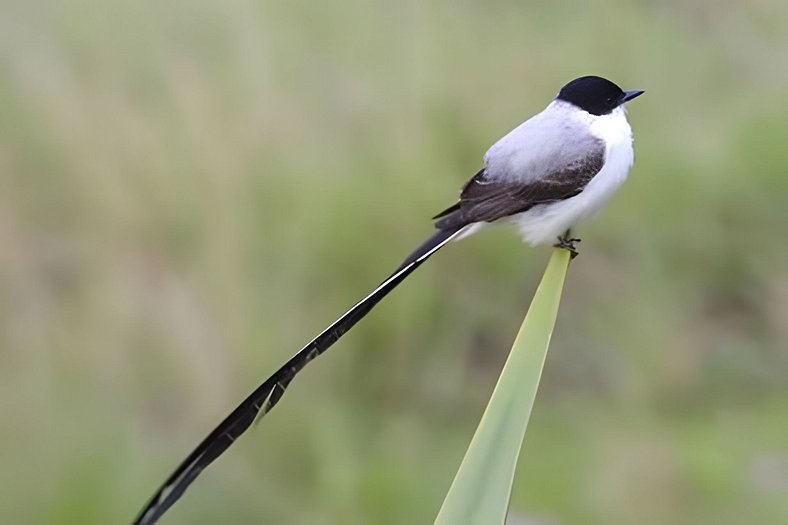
609,100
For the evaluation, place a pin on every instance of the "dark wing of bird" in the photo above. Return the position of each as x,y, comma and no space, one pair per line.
486,199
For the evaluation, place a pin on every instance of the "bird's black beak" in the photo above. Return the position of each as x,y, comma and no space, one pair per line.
629,95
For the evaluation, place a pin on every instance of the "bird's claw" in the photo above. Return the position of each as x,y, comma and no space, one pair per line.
568,243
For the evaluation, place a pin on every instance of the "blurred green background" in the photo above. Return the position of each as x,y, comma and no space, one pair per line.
190,190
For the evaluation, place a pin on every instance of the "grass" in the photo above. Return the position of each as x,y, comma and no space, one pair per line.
189,191
482,488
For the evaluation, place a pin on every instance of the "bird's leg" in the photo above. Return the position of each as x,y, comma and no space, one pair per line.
567,242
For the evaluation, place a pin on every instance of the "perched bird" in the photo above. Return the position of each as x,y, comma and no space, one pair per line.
546,175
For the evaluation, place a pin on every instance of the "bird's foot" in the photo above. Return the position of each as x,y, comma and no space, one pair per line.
568,243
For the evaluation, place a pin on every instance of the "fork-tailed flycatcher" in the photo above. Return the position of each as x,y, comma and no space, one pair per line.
550,172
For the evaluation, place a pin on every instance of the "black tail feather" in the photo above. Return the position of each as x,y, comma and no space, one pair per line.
268,394
428,247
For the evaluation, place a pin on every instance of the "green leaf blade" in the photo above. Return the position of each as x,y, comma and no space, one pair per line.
480,492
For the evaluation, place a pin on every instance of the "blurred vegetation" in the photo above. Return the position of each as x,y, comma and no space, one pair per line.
190,190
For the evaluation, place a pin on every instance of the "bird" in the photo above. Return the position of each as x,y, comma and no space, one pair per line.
551,172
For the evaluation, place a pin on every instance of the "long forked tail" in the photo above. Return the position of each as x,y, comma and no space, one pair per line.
270,392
